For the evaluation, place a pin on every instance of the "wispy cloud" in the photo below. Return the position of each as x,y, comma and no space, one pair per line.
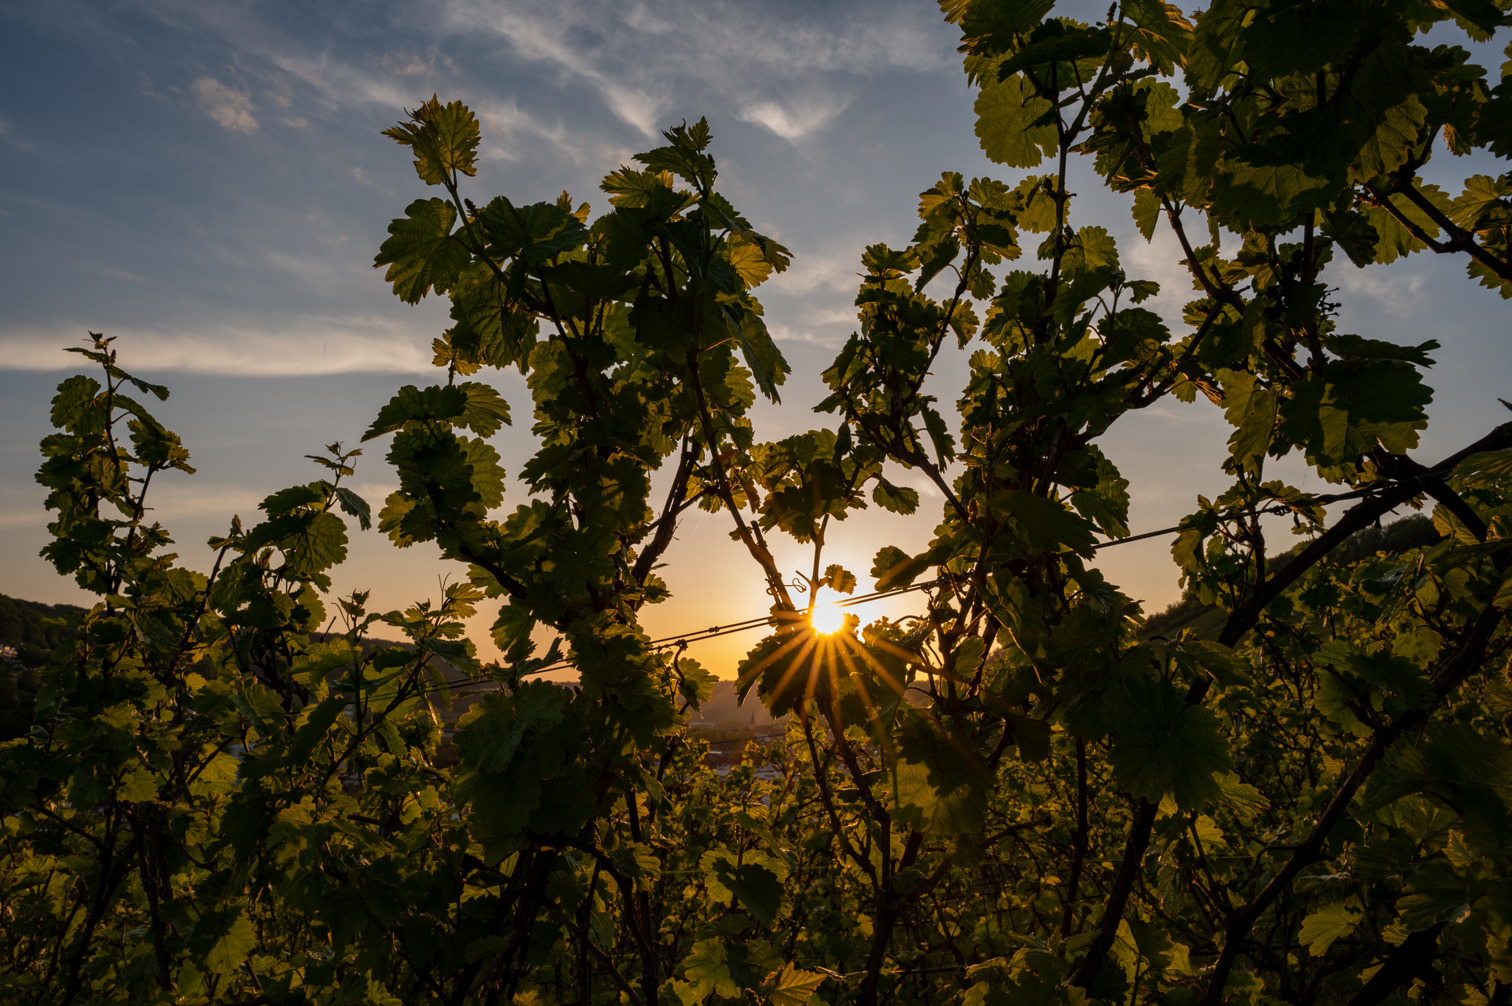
828,327
1160,260
770,64
230,108
542,35
334,83
867,40
506,124
838,273
408,64
793,121
1392,290
9,135
300,346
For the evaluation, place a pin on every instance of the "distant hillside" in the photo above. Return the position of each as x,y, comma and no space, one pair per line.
723,712
21,627
1206,620
25,643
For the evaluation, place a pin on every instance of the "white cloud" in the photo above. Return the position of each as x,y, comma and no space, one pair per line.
637,55
1160,260
1393,290
281,92
302,346
814,335
794,121
405,64
641,110
840,273
340,85
374,492
873,39
541,36
505,123
231,108
833,314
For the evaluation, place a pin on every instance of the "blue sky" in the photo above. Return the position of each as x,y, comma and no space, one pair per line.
206,181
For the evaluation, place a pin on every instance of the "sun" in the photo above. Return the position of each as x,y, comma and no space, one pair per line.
826,618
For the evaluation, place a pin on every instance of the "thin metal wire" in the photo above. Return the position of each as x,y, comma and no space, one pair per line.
681,640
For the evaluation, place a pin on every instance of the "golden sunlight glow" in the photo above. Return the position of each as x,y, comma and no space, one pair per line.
827,618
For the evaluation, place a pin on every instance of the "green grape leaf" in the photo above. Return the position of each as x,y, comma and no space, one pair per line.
922,800
420,252
491,739
1360,348
1055,42
355,506
137,786
1033,524
222,940
638,863
838,578
412,405
1326,925
1262,194
766,361
707,969
443,138
788,986
634,189
1146,211
1353,232
1483,204
894,568
936,785
1227,667
314,729
1485,469
485,412
1493,122
748,260
1217,44
74,402
898,499
939,436
535,233
754,879
1161,745
1252,410
1344,411
1393,141
684,157
1334,698
1013,123
290,500
675,992
695,683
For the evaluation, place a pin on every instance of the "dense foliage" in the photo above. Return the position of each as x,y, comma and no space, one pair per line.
1015,797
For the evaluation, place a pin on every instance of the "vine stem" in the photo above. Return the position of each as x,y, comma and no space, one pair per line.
1453,672
750,535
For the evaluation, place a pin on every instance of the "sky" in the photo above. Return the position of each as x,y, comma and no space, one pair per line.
206,181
